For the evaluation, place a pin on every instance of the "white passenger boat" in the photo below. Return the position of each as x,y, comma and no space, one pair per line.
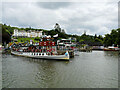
42,55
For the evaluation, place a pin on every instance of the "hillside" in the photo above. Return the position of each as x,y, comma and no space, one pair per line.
108,40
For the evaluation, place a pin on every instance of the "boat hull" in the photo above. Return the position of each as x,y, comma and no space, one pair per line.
51,57
110,50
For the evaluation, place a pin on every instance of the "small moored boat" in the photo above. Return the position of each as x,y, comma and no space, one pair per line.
111,49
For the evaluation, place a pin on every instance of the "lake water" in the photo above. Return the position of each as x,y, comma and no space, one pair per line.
97,69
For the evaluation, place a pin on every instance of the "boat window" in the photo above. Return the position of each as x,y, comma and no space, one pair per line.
43,54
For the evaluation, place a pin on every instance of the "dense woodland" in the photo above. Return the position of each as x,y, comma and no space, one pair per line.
98,40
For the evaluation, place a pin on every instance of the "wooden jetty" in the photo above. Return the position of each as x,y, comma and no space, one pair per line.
85,49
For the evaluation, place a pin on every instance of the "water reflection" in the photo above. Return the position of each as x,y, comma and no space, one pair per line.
111,53
47,71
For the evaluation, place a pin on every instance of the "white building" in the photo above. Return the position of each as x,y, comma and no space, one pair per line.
72,38
27,33
65,44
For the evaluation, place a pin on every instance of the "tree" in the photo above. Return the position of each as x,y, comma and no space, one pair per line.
37,39
95,36
5,35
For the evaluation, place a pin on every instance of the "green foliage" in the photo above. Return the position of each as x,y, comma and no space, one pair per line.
72,40
52,33
23,40
108,40
112,38
81,40
37,39
95,36
5,35
90,40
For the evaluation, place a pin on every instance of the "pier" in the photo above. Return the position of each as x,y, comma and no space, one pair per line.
85,49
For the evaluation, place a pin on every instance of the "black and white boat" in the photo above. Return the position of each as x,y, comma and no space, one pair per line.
42,55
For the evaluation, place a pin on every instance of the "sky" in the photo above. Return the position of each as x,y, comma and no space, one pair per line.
74,17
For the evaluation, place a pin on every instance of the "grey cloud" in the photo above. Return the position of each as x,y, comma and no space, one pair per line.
53,5
73,17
